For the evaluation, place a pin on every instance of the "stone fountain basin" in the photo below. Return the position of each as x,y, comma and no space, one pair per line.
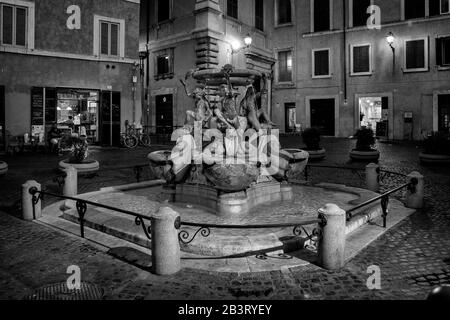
225,242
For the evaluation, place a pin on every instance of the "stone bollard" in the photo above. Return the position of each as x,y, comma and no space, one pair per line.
165,244
414,200
70,188
372,177
27,203
331,249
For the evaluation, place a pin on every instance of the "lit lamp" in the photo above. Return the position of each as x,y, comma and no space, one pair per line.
390,39
248,40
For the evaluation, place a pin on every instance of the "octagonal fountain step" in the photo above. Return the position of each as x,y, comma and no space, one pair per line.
225,242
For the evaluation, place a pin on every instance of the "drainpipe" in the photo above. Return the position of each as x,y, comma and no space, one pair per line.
344,39
147,71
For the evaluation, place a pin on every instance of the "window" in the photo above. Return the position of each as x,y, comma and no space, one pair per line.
284,11
259,14
163,10
321,15
321,63
14,25
414,9
109,38
359,12
164,64
443,51
232,8
361,60
285,66
416,55
445,6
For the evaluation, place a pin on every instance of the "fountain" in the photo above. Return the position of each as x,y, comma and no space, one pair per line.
227,169
227,158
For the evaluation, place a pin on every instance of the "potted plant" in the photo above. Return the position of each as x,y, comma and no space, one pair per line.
79,151
436,149
365,146
311,138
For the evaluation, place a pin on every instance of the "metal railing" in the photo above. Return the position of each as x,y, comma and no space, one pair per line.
298,227
81,206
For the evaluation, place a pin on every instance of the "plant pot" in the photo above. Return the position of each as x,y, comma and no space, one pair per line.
437,159
87,166
316,155
3,168
365,156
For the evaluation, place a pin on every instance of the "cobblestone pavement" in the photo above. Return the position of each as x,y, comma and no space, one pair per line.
413,257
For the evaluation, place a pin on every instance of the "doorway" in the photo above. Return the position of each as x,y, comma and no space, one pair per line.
290,117
374,114
110,118
323,116
164,114
2,119
444,113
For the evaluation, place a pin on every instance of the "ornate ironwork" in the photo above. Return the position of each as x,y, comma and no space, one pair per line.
81,209
60,179
281,256
139,221
184,235
35,199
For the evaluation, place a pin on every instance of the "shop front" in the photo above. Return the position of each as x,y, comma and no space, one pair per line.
77,112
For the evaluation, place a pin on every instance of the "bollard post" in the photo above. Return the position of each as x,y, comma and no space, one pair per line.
372,177
414,196
331,249
70,188
165,244
28,213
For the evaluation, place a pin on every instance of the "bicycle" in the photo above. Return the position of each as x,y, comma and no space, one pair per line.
143,137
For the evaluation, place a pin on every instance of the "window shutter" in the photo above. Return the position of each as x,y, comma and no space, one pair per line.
104,36
361,62
439,51
21,26
321,63
7,25
114,40
435,9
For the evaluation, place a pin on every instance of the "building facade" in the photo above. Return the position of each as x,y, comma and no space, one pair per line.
74,63
329,63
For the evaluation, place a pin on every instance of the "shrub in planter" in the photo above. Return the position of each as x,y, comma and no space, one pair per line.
78,157
436,148
365,146
311,138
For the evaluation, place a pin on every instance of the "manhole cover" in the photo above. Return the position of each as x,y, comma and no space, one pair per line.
60,291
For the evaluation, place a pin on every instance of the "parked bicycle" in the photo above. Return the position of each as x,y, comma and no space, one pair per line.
132,137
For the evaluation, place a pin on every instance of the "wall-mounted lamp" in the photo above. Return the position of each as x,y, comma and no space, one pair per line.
390,39
142,57
236,45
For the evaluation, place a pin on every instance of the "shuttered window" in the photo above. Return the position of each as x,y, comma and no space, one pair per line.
285,66
13,25
232,8
109,38
321,63
416,55
360,14
284,11
259,14
321,15
361,62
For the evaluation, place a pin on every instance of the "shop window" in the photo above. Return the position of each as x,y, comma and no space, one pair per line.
164,64
321,63
14,25
361,60
284,11
259,14
416,55
285,66
321,15
163,10
414,9
443,51
232,8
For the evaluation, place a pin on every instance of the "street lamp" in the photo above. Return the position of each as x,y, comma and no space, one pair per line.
390,39
248,40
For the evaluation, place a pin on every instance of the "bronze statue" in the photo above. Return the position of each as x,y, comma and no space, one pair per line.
202,111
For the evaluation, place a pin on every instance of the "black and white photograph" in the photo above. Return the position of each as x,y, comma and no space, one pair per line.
225,156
